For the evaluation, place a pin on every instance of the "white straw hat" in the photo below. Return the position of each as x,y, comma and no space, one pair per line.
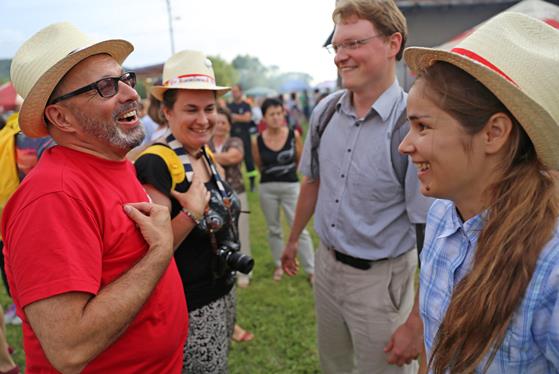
43,60
188,70
517,58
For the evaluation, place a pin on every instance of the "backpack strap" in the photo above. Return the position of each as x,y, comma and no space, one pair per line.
9,180
174,164
399,161
323,121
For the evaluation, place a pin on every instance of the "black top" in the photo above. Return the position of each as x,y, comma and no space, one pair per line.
240,108
278,166
195,256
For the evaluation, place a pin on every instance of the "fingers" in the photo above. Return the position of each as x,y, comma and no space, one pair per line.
388,347
290,265
132,208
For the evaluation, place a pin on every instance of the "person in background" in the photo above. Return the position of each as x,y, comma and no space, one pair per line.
204,208
19,154
484,129
88,258
241,113
276,153
229,153
364,211
154,124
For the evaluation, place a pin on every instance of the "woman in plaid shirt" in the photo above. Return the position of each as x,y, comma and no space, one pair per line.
484,136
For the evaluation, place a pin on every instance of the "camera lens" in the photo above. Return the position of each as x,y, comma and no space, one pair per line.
240,262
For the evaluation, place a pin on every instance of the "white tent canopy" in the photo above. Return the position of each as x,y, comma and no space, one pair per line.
539,9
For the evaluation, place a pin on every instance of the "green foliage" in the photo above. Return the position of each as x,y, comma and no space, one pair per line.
5,70
141,88
225,73
252,72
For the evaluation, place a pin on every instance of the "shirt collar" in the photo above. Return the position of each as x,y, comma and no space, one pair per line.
383,106
472,227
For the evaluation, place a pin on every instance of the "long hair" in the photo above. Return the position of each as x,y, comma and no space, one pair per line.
522,208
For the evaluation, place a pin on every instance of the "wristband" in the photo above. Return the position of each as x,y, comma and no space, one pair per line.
191,215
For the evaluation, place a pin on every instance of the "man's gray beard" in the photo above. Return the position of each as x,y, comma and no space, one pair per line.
111,133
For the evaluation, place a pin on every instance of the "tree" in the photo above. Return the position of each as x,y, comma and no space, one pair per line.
225,73
252,72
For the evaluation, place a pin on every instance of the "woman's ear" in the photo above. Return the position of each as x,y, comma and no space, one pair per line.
497,132
165,112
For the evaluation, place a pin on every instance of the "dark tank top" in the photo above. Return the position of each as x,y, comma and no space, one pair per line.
278,166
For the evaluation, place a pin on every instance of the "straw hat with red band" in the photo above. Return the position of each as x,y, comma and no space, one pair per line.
517,58
188,70
43,60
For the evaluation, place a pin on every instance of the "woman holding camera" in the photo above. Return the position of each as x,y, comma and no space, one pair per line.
204,209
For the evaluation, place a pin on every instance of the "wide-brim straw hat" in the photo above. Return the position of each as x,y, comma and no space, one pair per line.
517,58
43,60
188,70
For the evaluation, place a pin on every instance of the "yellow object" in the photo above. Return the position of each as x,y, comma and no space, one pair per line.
176,168
9,180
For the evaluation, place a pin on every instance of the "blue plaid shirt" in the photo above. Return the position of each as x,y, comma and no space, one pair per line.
531,344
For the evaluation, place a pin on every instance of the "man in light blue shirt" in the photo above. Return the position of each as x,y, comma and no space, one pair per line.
364,214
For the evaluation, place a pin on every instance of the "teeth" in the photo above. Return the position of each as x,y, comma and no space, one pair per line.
129,114
423,166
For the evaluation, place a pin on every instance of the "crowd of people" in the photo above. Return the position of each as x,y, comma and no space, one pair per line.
458,178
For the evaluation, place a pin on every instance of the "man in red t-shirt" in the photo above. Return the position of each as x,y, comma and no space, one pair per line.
89,260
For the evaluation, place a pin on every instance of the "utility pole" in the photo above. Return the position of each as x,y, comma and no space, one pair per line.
169,13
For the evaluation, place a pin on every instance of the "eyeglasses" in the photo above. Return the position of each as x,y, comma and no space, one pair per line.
350,44
106,87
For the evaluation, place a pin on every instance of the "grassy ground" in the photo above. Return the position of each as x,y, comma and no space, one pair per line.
281,315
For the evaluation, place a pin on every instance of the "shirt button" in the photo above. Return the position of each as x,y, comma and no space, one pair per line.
357,124
337,200
343,175
333,225
349,150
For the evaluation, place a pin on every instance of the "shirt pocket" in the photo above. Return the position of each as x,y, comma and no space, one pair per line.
372,184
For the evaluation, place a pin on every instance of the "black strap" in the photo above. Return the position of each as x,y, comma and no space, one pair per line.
399,161
323,121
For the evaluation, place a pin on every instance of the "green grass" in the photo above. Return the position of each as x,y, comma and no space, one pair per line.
280,314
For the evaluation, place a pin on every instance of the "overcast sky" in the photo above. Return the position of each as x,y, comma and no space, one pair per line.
286,33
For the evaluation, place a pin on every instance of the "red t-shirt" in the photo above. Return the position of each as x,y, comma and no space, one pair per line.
65,230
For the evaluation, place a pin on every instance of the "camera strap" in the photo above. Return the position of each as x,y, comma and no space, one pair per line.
176,146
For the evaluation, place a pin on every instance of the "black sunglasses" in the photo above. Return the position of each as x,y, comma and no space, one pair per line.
106,87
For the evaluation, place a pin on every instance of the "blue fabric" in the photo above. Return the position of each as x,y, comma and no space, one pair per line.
531,344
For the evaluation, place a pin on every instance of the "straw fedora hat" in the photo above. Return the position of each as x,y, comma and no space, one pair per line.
42,61
517,58
188,70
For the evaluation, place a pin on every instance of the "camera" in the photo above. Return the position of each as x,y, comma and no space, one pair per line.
235,260
221,222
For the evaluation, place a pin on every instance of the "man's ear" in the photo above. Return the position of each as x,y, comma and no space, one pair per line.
60,117
394,42
497,132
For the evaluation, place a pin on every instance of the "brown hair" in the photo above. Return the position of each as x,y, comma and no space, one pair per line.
383,14
522,210
154,111
227,113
